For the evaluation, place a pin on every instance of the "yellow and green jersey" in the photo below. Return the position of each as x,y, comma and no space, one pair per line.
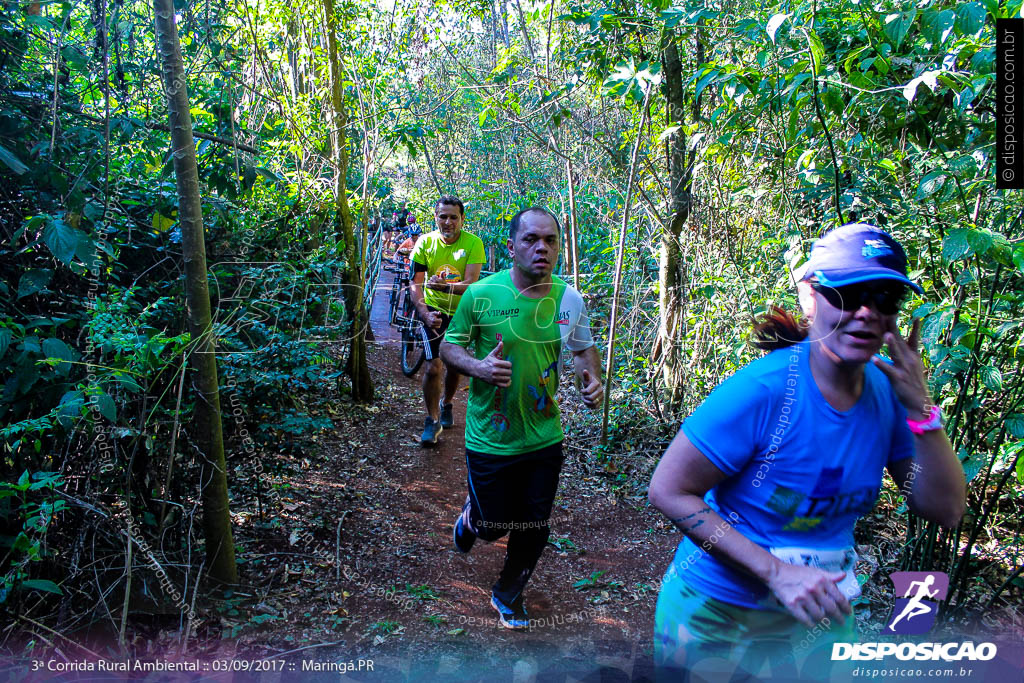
448,261
522,417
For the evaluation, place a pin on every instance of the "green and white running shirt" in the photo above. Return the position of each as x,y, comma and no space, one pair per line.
522,417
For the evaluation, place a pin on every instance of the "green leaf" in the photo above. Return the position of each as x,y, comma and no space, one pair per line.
889,165
938,25
74,57
992,378
88,252
1000,250
45,23
106,406
1018,257
33,281
42,585
972,466
980,240
11,161
774,24
983,62
935,324
55,348
268,174
672,17
62,239
161,223
970,18
930,184
964,165
5,340
833,101
1015,426
956,245
126,381
263,618
897,25
817,52
70,407
704,80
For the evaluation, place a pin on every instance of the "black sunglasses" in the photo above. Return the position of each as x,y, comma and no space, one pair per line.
888,297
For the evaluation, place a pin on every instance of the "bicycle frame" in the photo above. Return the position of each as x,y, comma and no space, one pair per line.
403,314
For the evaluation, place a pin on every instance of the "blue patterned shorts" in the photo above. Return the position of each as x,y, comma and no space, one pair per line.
696,635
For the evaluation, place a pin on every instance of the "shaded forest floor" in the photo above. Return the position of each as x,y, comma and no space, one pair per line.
358,562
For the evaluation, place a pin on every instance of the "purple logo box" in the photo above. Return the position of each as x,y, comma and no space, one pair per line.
917,597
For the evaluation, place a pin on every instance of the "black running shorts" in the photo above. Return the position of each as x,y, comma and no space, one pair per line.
432,336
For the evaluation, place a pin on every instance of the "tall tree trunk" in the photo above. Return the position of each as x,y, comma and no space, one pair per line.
503,14
430,166
672,277
220,546
573,227
609,363
358,370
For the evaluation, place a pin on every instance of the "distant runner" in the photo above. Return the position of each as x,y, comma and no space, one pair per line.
517,322
405,248
445,262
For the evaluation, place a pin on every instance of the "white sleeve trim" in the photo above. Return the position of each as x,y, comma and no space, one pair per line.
576,333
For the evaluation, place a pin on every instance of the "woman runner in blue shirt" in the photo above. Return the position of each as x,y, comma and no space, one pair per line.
768,476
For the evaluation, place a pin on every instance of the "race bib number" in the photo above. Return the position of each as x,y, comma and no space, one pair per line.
841,560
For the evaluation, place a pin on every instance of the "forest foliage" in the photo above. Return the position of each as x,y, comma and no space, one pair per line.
749,129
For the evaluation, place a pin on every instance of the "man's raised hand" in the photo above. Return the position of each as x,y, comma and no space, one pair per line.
592,390
494,369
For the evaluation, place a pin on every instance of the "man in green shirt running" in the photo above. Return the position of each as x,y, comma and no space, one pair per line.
517,321
444,263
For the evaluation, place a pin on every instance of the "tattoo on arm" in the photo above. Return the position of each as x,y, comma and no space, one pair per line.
684,524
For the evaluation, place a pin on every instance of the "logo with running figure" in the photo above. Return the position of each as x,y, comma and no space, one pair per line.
917,601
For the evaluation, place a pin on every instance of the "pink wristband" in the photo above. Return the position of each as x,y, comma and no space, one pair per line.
930,423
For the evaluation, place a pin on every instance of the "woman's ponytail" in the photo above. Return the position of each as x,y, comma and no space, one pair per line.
778,329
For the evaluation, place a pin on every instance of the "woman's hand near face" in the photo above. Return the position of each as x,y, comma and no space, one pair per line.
906,374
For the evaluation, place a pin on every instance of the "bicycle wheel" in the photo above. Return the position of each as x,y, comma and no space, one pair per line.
412,350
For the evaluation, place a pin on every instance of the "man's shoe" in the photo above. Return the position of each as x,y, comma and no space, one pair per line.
462,535
431,430
446,415
513,617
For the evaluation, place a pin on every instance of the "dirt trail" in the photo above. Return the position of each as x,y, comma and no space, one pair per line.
401,501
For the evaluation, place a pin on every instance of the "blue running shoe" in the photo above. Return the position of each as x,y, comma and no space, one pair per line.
513,617
462,534
447,420
431,430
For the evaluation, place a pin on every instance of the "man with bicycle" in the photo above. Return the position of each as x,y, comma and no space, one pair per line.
444,262
517,321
